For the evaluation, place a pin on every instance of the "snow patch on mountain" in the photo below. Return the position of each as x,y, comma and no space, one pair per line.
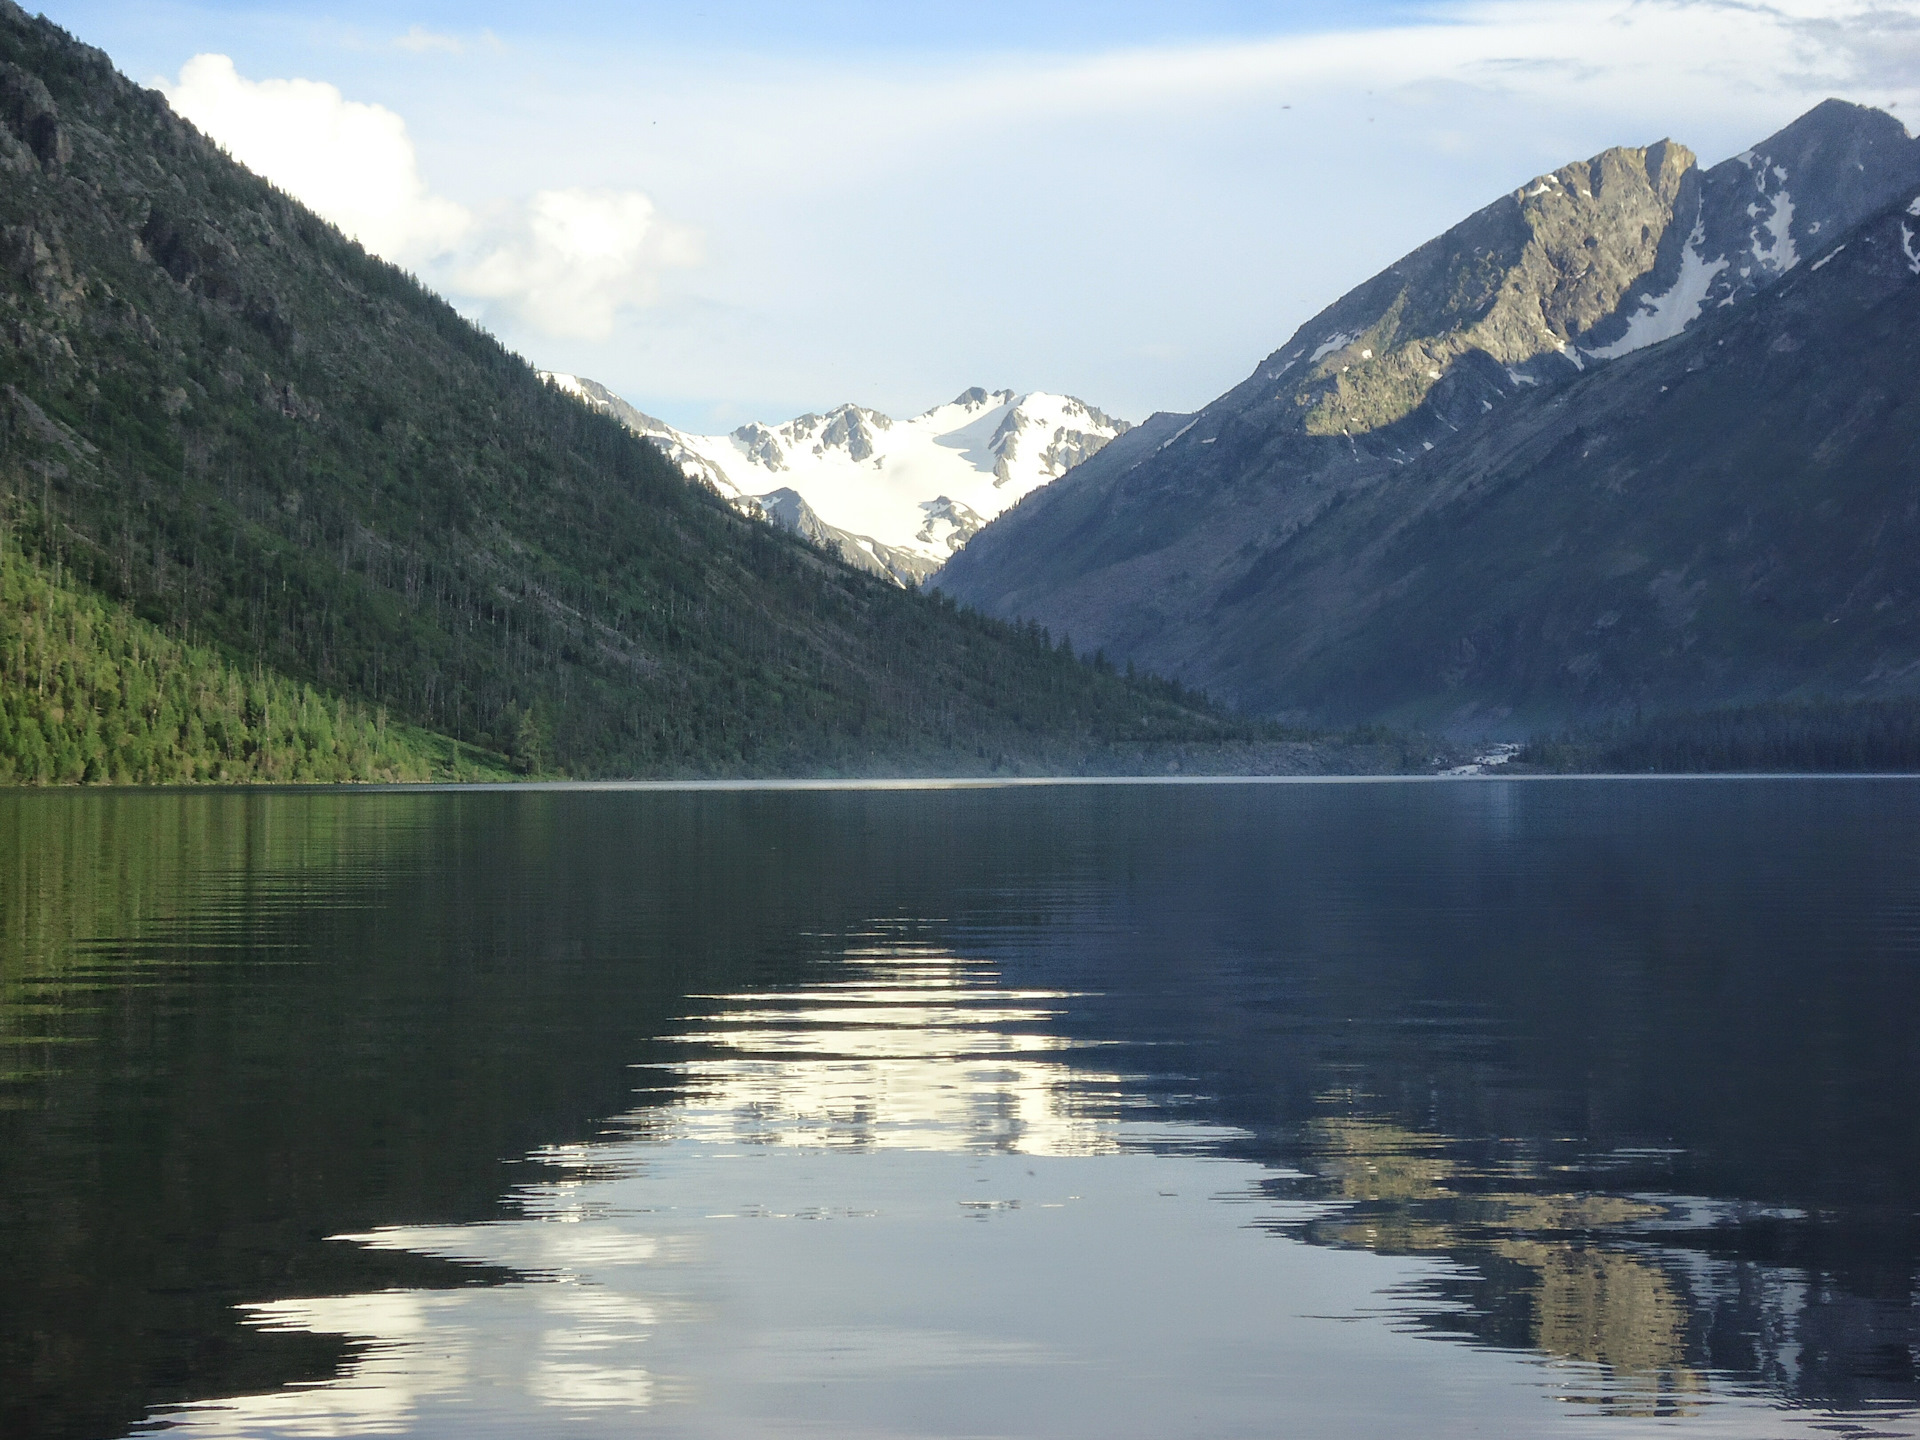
1332,343
1661,317
1778,254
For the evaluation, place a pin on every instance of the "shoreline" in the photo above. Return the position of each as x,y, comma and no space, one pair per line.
790,784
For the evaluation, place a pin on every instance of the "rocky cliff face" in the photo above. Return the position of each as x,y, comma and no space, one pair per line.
1525,278
1168,547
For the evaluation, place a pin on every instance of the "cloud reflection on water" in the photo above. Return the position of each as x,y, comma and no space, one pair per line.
917,1053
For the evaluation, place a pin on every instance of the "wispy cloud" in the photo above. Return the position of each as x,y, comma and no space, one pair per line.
421,40
1557,53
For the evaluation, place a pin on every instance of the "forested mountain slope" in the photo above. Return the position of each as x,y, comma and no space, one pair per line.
223,417
1629,437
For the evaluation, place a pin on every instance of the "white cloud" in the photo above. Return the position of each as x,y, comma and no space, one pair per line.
1650,56
571,259
1136,224
564,262
352,162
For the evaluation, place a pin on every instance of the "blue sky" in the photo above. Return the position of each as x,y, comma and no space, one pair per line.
792,28
745,210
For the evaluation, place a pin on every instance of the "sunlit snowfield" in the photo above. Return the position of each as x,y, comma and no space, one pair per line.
1461,1108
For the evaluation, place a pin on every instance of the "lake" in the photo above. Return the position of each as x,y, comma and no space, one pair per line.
1518,1107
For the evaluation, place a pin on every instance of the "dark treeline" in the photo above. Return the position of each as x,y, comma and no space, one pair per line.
1811,736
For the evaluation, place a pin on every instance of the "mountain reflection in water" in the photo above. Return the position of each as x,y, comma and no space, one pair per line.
925,1054
1555,1271
1108,1112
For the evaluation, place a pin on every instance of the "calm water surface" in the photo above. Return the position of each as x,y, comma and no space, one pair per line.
1488,1107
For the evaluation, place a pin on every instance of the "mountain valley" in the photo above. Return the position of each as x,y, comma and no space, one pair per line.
230,436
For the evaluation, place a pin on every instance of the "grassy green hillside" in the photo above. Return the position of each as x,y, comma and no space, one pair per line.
221,416
89,692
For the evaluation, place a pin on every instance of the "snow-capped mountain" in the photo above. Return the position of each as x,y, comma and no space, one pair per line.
898,497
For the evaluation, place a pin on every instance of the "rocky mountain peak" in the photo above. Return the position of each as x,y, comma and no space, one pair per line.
980,398
949,524
1751,219
852,429
1057,431
1590,262
1596,228
787,508
1524,277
